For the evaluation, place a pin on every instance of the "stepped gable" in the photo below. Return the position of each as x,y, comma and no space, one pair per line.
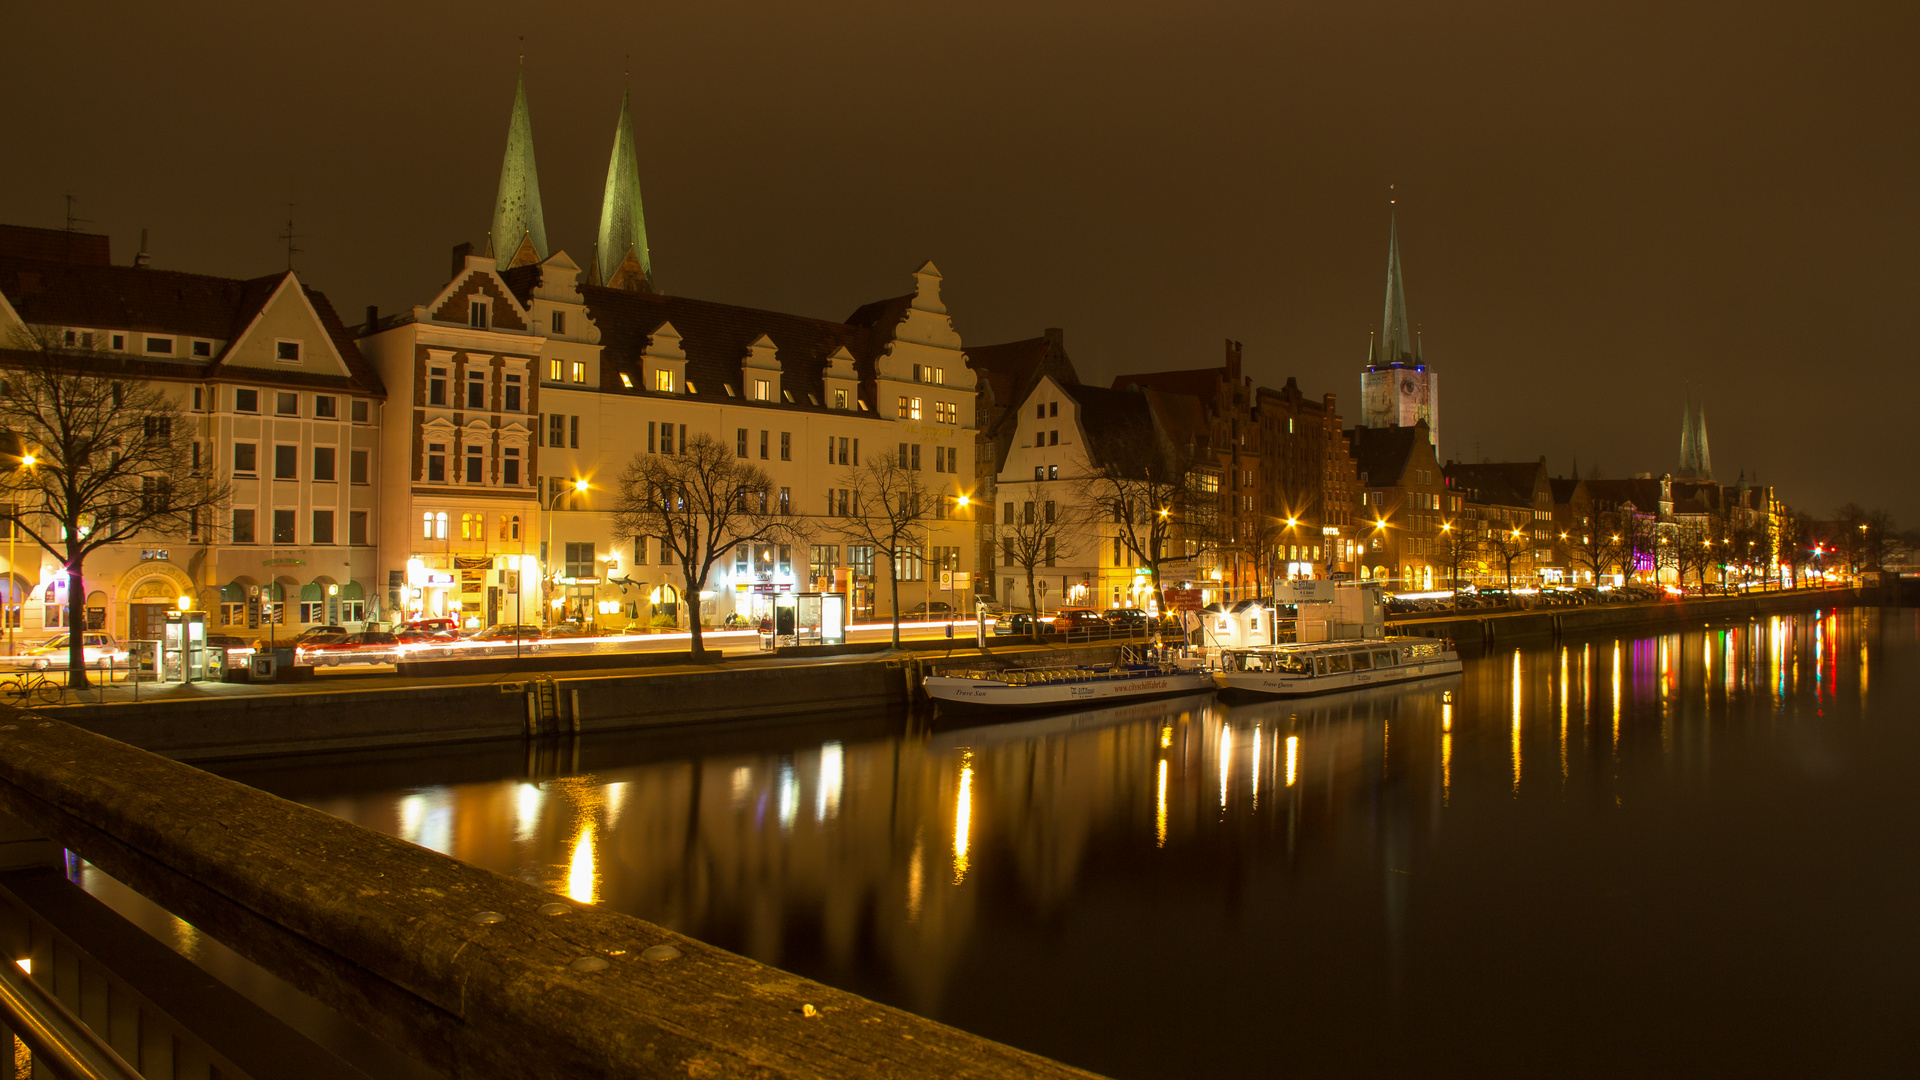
716,338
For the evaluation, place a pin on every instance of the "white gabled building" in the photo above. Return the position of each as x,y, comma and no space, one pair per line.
608,368
282,404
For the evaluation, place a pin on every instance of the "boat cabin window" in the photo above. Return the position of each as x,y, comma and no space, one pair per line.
1337,664
1294,665
1361,661
1319,665
1383,658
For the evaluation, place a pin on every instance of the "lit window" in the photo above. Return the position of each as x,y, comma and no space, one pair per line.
914,409
553,371
839,399
579,371
903,408
762,390
663,380
626,380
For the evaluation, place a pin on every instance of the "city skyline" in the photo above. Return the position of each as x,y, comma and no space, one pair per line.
1568,311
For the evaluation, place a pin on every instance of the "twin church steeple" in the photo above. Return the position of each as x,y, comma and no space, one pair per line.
519,234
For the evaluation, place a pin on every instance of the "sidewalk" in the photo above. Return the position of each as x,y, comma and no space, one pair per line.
382,679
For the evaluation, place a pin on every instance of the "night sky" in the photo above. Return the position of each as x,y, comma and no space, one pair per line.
1597,203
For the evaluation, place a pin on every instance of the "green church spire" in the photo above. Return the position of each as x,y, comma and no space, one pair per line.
518,226
623,259
1395,342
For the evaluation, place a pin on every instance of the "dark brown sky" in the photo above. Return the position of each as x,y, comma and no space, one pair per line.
1598,201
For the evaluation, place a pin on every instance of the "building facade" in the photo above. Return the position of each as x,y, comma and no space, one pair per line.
283,408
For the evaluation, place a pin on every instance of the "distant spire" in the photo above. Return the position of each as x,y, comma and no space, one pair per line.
622,252
1696,461
1395,342
518,225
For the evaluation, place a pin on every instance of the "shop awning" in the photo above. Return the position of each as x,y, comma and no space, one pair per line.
352,591
273,592
312,592
233,593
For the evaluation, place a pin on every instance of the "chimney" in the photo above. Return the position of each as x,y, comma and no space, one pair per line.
460,253
141,258
1055,336
373,316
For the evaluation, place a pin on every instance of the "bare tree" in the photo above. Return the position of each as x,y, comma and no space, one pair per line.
889,511
702,503
99,460
1593,550
1509,541
1692,543
1863,538
1034,532
1156,499
1455,546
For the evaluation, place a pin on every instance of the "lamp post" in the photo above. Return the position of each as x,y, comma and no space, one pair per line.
546,549
13,573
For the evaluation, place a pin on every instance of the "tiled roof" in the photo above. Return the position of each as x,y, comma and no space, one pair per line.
1200,383
1488,484
1642,492
54,245
716,337
1564,488
1118,423
144,300
1383,454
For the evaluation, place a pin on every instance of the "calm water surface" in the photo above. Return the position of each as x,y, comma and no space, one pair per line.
1684,854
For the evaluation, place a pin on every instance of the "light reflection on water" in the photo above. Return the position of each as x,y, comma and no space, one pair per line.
1121,866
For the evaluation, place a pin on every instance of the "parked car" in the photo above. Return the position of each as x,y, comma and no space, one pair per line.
931,607
367,647
1018,622
569,629
315,633
1081,619
97,649
504,638
1130,620
432,626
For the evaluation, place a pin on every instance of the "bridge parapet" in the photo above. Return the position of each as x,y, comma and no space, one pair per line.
471,972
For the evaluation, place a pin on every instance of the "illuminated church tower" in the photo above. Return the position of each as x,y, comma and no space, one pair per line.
621,258
519,234
1398,389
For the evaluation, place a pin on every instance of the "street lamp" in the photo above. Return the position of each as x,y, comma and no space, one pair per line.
546,549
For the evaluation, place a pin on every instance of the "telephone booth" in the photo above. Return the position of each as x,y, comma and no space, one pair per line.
183,649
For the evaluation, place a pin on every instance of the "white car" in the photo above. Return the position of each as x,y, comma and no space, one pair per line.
98,649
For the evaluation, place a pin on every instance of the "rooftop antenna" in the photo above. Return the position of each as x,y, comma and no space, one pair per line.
71,222
290,236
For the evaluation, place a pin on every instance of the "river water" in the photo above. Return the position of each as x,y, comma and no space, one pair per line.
1689,853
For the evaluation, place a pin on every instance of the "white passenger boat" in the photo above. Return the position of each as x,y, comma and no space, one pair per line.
1294,670
1028,688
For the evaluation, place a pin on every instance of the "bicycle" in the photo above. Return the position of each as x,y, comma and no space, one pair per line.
29,688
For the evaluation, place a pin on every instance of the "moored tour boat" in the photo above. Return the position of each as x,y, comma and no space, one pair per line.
1294,670
1069,686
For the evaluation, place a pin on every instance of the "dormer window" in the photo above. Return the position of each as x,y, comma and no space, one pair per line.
558,321
663,380
762,390
477,315
839,399
203,349
161,345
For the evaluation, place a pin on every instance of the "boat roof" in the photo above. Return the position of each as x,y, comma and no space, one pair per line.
1331,646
